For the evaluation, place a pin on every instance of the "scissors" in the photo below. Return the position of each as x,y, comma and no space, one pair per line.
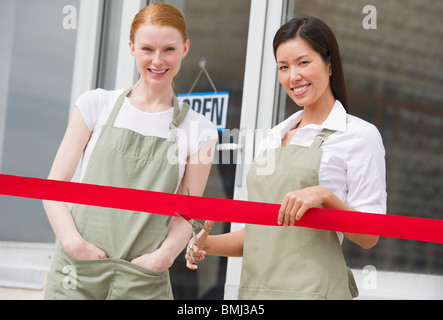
195,225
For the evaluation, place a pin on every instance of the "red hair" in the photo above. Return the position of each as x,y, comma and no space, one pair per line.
159,14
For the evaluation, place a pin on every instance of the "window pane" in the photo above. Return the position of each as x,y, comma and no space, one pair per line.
37,53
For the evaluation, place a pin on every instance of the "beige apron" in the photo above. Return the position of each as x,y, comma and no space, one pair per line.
291,262
121,158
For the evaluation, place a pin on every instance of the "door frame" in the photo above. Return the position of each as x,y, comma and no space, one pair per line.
259,94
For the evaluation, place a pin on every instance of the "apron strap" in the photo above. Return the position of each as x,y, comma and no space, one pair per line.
117,106
321,137
179,116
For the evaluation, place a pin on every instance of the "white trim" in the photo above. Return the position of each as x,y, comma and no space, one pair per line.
260,82
126,70
24,264
251,87
258,101
269,81
87,51
86,48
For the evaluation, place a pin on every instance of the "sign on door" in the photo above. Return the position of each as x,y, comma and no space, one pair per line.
212,105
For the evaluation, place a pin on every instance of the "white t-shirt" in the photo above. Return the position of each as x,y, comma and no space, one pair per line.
95,107
353,159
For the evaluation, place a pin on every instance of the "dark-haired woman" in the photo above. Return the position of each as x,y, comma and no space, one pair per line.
323,157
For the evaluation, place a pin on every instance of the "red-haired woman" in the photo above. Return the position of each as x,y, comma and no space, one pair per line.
136,138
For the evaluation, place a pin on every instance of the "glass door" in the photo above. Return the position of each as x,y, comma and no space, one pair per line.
218,32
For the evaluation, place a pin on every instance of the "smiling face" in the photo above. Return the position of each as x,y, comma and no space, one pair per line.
304,74
158,52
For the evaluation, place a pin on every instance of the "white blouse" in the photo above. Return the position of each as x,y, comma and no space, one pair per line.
353,158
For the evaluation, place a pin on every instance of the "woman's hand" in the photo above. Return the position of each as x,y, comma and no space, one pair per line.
198,252
296,203
83,250
157,261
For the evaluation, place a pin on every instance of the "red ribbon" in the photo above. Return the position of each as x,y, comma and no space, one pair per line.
226,210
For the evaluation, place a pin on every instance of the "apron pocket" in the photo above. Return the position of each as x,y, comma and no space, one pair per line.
78,279
142,270
136,282
66,260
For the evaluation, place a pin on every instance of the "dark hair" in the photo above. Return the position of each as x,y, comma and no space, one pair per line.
322,40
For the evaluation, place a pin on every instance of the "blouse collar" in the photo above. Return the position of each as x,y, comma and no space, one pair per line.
336,120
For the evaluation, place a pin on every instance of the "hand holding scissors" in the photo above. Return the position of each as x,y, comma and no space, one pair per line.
197,243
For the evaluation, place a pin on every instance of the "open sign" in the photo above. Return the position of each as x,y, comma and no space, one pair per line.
212,105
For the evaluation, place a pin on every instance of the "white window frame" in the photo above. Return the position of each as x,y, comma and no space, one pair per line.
260,84
126,68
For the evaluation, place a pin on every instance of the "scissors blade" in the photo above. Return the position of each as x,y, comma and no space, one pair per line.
195,224
183,216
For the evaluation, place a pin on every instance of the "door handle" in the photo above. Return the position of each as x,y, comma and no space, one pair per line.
228,146
240,157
